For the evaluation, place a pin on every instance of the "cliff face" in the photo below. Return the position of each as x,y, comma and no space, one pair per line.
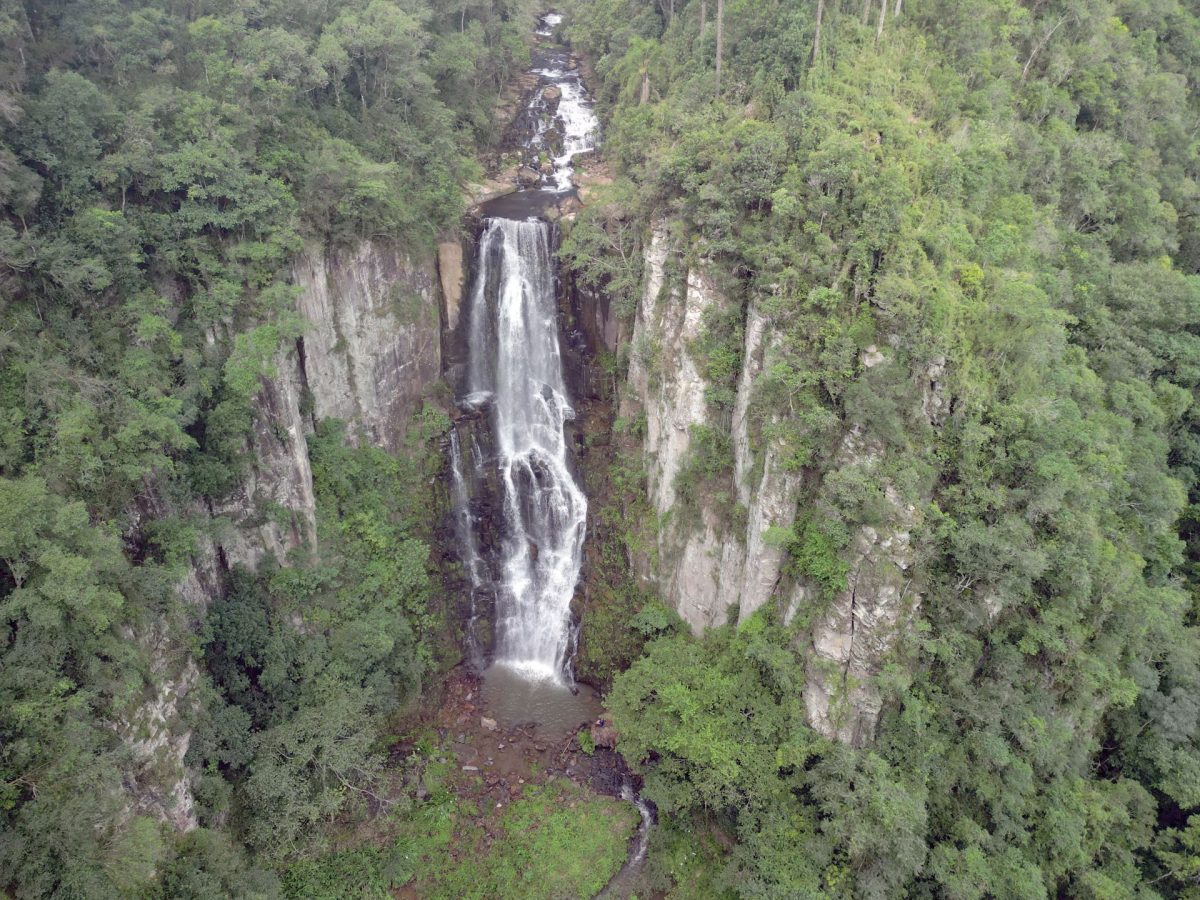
713,566
372,345
273,509
708,566
370,351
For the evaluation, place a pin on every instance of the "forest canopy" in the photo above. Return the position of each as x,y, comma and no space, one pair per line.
970,232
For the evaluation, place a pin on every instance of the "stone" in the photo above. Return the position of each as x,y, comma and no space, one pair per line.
553,139
452,274
372,345
488,724
552,94
871,357
529,177
605,736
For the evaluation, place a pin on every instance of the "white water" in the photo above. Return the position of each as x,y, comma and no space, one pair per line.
549,22
515,357
575,120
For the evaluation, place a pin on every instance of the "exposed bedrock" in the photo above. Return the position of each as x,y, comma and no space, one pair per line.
716,563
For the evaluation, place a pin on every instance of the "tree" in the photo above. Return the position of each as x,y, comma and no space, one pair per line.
816,50
720,40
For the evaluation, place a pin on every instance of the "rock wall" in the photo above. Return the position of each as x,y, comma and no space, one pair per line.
858,631
712,566
369,353
665,385
372,345
708,565
273,511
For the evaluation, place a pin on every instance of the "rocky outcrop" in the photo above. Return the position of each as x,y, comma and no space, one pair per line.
711,563
666,386
369,353
853,639
273,509
708,564
858,632
157,782
770,499
453,275
372,344
664,379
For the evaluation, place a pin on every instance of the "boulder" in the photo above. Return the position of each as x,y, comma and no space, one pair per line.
527,176
605,736
488,724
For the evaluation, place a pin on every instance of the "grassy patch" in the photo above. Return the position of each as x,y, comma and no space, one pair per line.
556,841
561,841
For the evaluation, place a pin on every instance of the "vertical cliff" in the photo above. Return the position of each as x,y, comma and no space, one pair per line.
370,350
720,557
713,560
372,343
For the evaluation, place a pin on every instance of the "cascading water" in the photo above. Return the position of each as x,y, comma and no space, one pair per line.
523,552
520,514
515,363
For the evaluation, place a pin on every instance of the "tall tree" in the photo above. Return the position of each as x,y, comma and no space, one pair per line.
817,35
720,39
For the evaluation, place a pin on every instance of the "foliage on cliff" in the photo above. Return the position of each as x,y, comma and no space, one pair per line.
1009,189
160,165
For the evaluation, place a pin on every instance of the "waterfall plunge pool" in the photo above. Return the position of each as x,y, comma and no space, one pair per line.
518,695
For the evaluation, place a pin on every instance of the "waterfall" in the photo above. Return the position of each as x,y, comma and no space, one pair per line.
523,550
515,366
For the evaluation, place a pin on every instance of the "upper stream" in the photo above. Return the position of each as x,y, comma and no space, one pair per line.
524,571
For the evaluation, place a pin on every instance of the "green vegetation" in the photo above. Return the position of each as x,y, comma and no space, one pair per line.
970,229
621,613
554,842
161,164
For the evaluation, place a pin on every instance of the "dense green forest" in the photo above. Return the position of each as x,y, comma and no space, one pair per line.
1006,189
161,162
1011,188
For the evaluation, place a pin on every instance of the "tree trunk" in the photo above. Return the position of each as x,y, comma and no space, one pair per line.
817,35
645,87
866,16
703,16
896,11
882,18
720,39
